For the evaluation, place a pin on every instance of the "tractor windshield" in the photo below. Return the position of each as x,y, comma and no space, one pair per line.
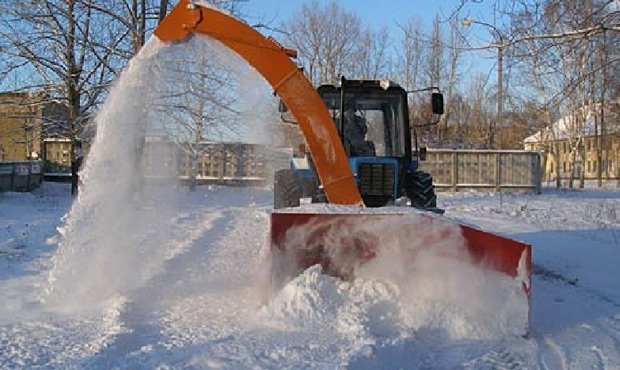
373,123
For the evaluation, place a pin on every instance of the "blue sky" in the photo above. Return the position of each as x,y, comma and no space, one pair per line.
390,13
377,13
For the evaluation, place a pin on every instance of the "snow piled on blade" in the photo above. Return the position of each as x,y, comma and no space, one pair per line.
118,233
359,309
419,275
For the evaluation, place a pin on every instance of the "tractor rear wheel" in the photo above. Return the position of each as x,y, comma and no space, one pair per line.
287,189
421,191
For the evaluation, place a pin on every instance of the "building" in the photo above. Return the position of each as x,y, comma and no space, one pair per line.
57,157
571,147
20,128
23,124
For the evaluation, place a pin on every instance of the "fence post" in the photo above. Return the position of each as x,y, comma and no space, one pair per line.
455,168
223,158
539,172
12,188
498,168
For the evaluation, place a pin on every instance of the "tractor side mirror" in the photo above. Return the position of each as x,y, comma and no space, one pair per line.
422,154
282,108
437,102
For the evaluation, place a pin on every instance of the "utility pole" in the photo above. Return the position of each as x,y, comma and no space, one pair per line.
500,80
500,91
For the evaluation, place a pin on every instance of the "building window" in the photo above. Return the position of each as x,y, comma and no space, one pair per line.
564,165
588,166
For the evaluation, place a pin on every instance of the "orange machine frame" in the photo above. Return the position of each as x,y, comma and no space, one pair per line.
272,61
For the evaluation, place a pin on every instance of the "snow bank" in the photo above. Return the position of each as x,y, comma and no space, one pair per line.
314,300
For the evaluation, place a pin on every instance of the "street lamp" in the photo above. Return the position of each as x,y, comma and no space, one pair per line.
500,74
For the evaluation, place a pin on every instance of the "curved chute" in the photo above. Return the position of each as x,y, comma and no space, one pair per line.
272,61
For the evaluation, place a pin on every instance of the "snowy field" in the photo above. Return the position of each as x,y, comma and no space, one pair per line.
194,294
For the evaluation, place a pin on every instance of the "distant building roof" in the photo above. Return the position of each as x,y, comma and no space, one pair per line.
582,123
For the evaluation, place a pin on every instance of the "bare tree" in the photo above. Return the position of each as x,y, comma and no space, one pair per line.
65,50
435,62
560,46
480,122
409,54
455,44
373,59
409,61
328,39
196,103
203,97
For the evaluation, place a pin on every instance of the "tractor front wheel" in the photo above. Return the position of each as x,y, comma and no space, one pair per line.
421,191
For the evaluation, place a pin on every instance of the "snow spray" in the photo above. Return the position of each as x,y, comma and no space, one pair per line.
117,234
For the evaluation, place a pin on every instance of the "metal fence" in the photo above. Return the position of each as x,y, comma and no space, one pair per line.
20,175
218,163
228,163
452,170
491,170
240,164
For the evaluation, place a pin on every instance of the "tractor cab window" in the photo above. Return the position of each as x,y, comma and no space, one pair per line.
373,122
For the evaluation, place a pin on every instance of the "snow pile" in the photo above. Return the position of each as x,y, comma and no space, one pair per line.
117,235
422,276
314,300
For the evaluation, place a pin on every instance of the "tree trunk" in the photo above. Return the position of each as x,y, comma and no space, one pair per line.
618,167
73,95
193,169
571,169
599,157
556,156
582,156
163,9
543,164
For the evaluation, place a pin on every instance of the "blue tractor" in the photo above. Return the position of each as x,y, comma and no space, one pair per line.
372,118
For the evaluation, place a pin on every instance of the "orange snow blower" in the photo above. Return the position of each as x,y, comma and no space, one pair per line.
361,164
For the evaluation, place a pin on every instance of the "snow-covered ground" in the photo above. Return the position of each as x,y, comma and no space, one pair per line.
205,302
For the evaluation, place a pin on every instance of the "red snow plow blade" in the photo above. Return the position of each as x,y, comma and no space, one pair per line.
345,244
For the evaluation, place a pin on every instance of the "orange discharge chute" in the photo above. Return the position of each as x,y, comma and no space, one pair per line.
272,61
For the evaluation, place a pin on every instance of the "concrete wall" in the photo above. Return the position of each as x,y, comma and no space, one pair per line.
490,170
20,175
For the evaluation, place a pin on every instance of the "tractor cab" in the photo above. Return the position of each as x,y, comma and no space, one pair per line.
375,120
